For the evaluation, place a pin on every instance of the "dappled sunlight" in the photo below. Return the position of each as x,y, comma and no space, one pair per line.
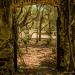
36,56
37,38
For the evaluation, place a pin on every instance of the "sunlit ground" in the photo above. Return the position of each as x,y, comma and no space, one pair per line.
36,56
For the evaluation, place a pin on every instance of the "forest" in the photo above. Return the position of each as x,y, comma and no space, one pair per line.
37,37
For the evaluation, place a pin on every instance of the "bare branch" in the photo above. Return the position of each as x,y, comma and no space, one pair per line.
26,16
20,11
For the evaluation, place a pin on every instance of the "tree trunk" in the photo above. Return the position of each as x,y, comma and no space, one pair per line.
15,39
72,28
63,44
40,25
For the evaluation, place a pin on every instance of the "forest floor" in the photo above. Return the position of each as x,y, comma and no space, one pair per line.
37,57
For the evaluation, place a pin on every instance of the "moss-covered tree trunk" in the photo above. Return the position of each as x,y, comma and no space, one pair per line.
72,28
15,37
6,55
63,44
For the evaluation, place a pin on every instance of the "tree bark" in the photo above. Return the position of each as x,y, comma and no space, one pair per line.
15,39
63,44
40,25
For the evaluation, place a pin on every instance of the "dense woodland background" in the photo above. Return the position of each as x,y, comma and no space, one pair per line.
55,20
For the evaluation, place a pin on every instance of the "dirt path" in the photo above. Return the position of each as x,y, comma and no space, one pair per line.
36,56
